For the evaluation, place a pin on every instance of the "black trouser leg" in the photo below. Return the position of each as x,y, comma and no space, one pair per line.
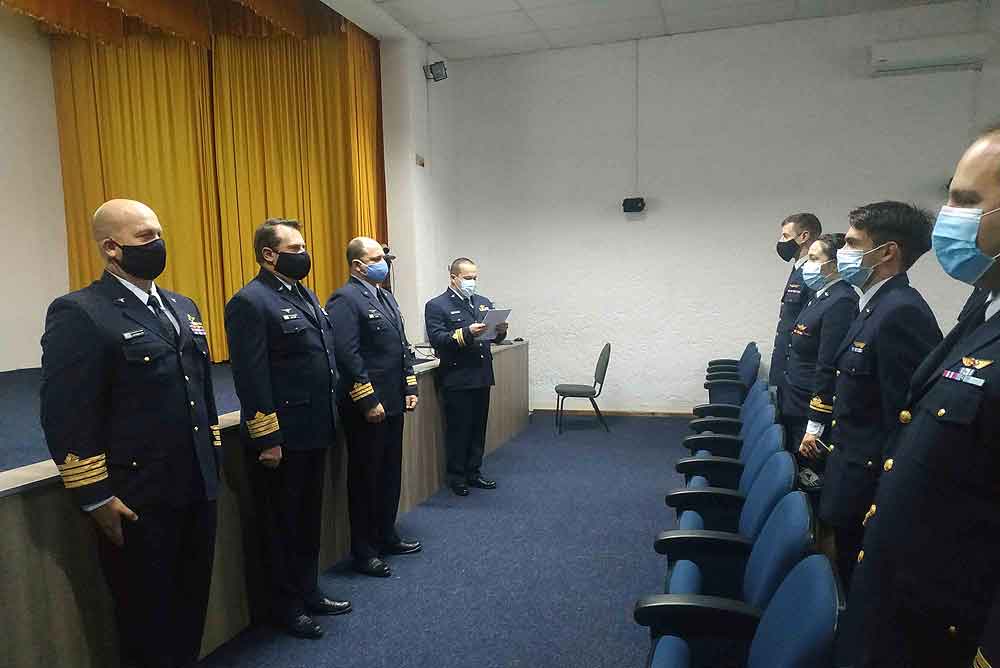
477,444
365,453
159,581
848,541
289,505
459,424
389,480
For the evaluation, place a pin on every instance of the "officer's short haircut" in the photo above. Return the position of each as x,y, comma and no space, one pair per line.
805,222
832,243
266,235
907,225
458,262
356,249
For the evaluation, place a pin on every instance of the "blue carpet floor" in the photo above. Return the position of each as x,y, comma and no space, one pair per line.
542,572
21,438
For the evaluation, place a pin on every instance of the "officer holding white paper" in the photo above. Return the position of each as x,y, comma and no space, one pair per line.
454,319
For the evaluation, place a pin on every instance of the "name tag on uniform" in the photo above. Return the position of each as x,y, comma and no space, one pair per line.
134,334
374,315
456,313
290,316
858,347
965,376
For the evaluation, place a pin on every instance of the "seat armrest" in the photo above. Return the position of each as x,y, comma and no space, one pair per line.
716,425
722,375
719,471
717,410
705,500
727,362
720,445
692,616
693,544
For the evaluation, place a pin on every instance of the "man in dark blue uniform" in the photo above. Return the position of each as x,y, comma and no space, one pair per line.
454,320
129,417
377,385
891,336
281,348
798,232
929,568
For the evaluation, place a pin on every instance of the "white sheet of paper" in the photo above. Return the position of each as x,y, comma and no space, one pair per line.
492,319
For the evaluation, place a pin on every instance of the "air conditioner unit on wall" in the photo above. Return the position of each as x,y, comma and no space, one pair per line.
961,51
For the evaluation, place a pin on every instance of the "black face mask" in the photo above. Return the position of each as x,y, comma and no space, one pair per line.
145,261
293,265
787,249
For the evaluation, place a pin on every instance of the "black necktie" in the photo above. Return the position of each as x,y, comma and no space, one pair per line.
166,326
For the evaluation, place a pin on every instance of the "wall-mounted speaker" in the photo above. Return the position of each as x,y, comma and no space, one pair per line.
436,71
634,205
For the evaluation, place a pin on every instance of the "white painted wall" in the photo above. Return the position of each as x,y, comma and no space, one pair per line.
32,219
738,129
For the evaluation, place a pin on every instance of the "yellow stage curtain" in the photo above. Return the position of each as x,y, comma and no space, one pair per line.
365,116
135,121
284,149
78,17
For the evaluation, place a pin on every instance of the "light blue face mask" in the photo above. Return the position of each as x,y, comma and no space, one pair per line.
468,287
378,271
954,241
812,274
850,267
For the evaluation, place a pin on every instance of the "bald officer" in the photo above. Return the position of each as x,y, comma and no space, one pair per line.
377,386
129,417
454,320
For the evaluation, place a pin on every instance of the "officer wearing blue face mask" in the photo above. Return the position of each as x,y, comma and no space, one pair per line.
454,320
929,569
377,386
892,334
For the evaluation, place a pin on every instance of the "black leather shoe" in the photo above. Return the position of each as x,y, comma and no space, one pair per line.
303,626
483,483
403,547
374,567
460,489
327,606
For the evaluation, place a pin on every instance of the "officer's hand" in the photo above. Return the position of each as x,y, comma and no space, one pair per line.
109,519
809,448
411,402
271,457
477,328
376,414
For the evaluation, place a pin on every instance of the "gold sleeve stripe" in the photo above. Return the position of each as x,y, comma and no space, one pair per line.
981,661
411,380
74,463
817,405
217,435
459,336
83,472
83,482
360,391
262,425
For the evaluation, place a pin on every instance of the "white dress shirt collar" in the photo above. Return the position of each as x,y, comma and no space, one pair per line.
801,261
141,294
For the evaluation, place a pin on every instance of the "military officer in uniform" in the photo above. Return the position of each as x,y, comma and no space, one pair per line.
129,417
454,320
929,567
892,334
281,349
377,385
798,232
810,372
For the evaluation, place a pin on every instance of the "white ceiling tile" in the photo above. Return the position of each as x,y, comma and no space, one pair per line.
594,12
475,27
769,12
492,46
411,12
606,33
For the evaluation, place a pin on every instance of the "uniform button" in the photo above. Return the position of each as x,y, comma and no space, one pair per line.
145,359
196,428
482,357
838,372
870,463
832,446
188,379
941,412
835,397
953,630
905,417
861,556
888,465
833,424
192,403
135,465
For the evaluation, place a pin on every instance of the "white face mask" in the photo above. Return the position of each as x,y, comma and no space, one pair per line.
467,286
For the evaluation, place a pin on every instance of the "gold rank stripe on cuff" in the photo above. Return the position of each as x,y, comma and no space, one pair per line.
361,390
78,472
216,435
817,405
459,336
411,380
981,661
262,425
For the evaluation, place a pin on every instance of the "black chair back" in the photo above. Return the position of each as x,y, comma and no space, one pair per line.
602,368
